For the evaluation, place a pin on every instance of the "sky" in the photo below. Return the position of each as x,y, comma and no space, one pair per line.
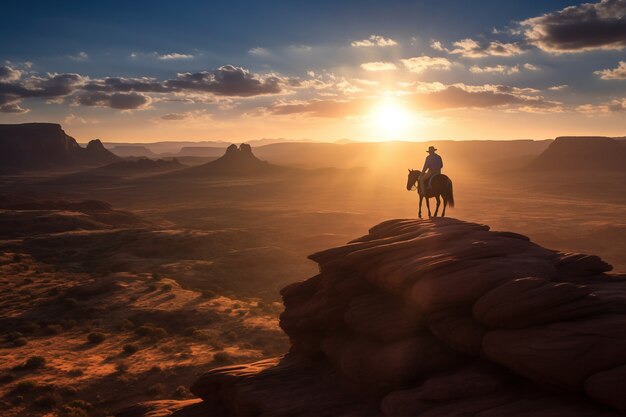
146,71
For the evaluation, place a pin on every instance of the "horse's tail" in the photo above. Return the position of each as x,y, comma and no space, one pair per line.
448,194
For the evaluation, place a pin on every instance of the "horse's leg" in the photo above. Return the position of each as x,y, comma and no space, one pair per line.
445,203
420,210
438,204
428,206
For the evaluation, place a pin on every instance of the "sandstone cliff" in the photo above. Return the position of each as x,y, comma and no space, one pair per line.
436,318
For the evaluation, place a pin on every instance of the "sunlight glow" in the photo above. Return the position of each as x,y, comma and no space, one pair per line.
391,119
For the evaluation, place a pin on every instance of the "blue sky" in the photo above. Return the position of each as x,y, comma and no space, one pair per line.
315,69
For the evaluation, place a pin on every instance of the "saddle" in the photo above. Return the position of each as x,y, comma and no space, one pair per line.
428,182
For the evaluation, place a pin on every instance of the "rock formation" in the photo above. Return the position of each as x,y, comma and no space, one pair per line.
236,161
46,145
582,153
437,318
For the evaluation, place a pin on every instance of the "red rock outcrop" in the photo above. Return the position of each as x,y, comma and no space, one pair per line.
441,318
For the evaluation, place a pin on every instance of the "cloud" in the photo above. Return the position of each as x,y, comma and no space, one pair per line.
618,73
13,108
497,69
72,119
433,98
470,48
9,74
258,51
173,56
614,106
378,66
228,80
374,40
422,63
531,67
558,87
120,101
585,27
323,108
174,116
81,56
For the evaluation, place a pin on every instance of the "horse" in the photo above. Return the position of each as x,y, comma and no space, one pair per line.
441,186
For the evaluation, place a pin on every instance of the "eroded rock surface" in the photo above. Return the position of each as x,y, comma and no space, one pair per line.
441,318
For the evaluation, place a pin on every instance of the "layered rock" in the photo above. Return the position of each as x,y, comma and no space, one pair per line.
582,153
441,318
46,145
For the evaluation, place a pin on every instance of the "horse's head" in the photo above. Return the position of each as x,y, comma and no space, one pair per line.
412,178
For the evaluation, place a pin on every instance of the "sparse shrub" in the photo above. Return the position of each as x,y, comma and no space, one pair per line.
130,348
47,400
159,333
75,372
68,391
76,408
157,389
124,324
25,386
121,367
156,369
155,276
29,328
70,303
20,341
190,331
34,362
222,357
181,392
152,287
144,330
166,287
12,336
151,331
95,338
208,294
69,411
52,329
6,378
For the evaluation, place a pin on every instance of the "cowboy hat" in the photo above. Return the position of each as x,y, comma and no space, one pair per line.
431,149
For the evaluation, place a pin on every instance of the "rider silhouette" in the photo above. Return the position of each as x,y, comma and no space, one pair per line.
432,167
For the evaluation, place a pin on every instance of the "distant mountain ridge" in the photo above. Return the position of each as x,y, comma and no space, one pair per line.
46,145
582,153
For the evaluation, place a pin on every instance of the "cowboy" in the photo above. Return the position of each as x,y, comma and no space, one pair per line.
432,167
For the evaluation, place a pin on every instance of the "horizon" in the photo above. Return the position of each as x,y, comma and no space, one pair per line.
411,71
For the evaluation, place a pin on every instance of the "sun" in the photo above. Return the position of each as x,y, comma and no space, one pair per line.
390,118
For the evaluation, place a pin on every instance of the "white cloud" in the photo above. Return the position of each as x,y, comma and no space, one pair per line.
531,67
558,87
469,48
81,56
422,63
374,40
173,56
258,51
378,66
497,69
618,73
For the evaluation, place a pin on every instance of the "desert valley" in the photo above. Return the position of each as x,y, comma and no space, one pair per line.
125,277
